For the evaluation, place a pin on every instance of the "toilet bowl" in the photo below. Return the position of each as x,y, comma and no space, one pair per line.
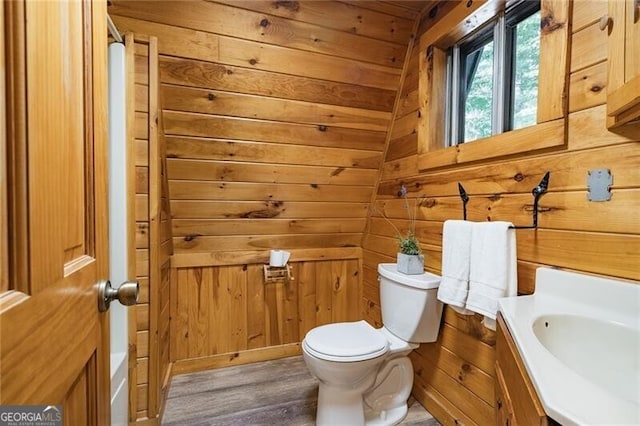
365,374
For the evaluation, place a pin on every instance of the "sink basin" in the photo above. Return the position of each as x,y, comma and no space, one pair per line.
581,342
579,338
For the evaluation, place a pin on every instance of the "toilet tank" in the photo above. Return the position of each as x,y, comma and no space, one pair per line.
410,307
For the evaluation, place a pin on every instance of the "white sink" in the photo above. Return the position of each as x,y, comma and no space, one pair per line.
579,337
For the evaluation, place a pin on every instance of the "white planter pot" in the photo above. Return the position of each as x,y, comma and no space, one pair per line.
411,264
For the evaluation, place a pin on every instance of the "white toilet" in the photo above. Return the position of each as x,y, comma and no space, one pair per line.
365,374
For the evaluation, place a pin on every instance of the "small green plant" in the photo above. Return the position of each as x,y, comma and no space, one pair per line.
409,244
406,244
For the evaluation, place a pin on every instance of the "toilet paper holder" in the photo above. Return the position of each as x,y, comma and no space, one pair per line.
274,274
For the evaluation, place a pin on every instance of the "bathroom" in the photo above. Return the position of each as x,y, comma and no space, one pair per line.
298,126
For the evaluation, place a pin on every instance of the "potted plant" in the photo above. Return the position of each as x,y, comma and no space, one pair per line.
410,259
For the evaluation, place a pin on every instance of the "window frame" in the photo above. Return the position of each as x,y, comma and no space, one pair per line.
510,29
456,71
553,80
460,51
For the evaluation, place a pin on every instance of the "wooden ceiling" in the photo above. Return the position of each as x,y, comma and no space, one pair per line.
411,8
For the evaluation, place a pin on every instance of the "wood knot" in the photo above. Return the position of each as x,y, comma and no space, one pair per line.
293,6
469,3
314,185
244,267
264,23
190,237
229,72
595,88
337,171
518,177
253,61
211,96
548,24
433,12
428,203
495,197
466,367
322,128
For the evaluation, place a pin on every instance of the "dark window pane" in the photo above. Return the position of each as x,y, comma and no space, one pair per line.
526,64
478,85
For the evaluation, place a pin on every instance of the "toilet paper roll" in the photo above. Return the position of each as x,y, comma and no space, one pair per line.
278,258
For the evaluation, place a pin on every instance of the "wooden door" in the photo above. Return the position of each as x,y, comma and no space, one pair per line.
54,344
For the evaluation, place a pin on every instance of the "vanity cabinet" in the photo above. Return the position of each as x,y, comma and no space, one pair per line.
516,400
623,88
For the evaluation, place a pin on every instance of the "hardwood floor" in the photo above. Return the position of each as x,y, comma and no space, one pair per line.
279,392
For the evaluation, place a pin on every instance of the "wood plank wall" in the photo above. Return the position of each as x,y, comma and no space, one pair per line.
454,376
150,329
227,314
276,115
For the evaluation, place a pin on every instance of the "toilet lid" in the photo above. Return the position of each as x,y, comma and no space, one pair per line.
346,341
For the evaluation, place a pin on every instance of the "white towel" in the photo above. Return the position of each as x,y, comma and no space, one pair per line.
493,269
456,249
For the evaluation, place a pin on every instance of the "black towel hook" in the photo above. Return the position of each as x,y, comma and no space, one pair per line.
537,192
465,200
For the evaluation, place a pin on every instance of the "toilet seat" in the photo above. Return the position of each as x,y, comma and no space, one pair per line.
346,342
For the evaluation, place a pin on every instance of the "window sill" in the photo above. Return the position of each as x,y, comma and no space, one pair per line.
541,136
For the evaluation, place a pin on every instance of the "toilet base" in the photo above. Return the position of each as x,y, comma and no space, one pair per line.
386,418
338,407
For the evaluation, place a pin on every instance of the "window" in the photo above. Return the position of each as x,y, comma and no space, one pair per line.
492,76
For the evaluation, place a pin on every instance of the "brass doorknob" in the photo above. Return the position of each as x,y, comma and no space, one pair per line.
126,294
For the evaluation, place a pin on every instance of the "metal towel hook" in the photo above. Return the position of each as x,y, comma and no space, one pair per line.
537,192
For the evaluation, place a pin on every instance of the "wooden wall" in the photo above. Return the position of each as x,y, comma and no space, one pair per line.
276,115
454,376
149,324
227,314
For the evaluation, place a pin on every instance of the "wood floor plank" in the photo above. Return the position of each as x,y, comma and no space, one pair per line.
274,392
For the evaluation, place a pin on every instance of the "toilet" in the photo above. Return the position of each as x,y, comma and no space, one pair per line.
365,373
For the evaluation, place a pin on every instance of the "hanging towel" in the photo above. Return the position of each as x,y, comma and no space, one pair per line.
493,268
456,248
